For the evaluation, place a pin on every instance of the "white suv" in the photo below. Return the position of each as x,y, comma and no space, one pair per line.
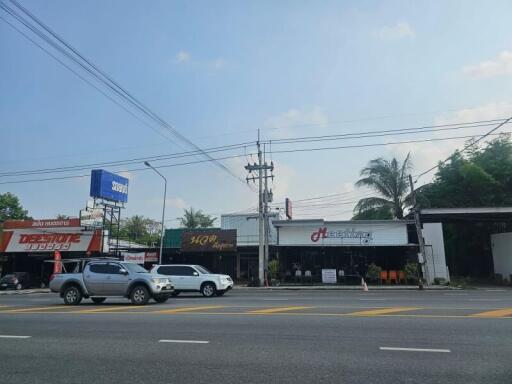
194,278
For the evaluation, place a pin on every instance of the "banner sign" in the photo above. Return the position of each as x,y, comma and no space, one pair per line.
215,240
288,208
109,186
49,236
329,276
140,257
91,217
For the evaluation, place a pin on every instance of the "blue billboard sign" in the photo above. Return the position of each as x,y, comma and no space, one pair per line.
109,186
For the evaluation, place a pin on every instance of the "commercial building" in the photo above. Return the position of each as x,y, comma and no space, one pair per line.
26,244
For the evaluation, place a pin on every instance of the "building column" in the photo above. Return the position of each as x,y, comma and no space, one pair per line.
238,265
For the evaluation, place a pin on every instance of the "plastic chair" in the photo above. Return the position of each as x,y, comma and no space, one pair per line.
383,276
393,276
402,277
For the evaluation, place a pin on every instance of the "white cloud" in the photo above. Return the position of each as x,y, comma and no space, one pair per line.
500,66
218,63
400,30
284,124
182,57
176,202
128,175
427,154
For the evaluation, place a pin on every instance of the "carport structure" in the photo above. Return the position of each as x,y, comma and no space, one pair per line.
466,239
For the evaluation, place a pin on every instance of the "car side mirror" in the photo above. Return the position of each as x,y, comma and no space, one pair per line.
123,271
195,273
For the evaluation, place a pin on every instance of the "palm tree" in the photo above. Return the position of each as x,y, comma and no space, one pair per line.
389,180
193,219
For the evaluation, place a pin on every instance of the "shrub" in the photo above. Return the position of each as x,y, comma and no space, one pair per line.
411,271
373,273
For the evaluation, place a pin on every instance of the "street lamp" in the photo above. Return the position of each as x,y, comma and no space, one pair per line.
163,210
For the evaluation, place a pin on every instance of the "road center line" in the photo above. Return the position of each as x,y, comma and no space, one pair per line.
276,310
185,341
383,311
414,349
14,337
189,309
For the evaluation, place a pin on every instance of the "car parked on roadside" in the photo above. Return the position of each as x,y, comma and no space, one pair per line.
19,280
194,278
102,279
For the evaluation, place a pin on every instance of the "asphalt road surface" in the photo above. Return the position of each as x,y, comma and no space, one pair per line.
252,336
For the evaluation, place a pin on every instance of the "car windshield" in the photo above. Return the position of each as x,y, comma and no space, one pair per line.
202,269
135,268
8,277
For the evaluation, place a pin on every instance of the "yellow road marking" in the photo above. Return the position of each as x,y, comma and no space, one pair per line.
32,309
110,309
382,311
496,313
188,309
276,310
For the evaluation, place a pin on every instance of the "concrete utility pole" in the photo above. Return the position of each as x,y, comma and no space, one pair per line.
423,259
261,168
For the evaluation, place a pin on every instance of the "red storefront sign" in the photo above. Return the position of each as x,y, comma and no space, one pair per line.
49,235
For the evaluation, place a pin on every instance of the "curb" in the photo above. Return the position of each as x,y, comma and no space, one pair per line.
346,288
25,291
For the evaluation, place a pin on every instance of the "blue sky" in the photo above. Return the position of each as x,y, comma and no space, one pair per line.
218,71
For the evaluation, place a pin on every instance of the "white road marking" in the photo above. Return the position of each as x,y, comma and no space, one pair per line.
485,299
414,349
185,341
376,298
274,299
495,290
14,337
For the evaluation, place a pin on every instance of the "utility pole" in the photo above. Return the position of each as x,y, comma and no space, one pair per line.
422,257
261,168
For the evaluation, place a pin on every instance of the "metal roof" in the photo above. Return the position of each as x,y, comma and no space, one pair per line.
475,214
284,223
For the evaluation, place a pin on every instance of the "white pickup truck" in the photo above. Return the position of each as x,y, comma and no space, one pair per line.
194,278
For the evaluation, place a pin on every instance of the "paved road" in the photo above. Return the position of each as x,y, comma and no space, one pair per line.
261,337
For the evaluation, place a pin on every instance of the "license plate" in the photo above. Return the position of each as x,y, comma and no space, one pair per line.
168,286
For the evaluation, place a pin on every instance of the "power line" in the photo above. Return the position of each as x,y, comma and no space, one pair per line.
389,132
377,144
127,170
465,148
102,77
124,162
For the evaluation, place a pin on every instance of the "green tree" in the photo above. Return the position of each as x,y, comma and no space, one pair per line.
139,229
482,177
196,219
389,180
11,209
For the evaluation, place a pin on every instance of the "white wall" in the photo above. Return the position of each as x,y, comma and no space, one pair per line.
247,228
502,254
434,249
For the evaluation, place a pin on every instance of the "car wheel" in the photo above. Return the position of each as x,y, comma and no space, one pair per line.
175,293
72,295
161,299
208,289
18,286
98,300
139,295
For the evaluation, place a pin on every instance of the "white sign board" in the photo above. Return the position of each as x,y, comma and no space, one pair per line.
344,234
91,217
329,276
137,258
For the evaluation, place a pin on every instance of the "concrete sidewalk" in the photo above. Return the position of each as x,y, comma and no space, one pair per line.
347,288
